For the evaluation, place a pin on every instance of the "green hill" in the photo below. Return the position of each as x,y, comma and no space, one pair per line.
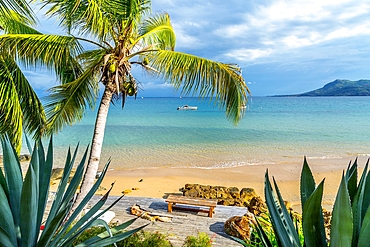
341,88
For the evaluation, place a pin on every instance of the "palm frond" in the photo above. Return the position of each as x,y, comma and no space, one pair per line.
14,23
206,78
158,31
18,6
96,17
52,51
67,102
20,106
10,107
91,57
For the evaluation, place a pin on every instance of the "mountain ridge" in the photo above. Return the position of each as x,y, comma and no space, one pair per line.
338,88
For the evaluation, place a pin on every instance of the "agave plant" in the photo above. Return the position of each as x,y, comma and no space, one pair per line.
350,225
23,203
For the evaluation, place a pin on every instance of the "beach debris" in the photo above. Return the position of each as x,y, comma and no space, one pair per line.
240,226
101,188
141,180
126,191
135,188
57,174
98,174
142,213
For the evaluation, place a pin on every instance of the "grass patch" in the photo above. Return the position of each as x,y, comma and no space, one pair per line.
201,240
139,239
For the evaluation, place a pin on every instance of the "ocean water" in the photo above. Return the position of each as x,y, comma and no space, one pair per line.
152,133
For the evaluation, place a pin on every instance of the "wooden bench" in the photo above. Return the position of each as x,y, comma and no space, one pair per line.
177,199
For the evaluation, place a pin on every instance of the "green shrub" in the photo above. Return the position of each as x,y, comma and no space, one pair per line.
350,225
201,240
23,203
138,239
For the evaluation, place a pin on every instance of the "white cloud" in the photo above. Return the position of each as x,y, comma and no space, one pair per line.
232,30
156,85
183,40
281,27
248,54
346,32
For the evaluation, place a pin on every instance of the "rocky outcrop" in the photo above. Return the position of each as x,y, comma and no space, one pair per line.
228,196
22,158
240,226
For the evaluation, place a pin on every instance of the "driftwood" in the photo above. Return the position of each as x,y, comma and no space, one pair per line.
142,213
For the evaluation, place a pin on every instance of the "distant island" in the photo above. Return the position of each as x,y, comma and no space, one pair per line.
338,88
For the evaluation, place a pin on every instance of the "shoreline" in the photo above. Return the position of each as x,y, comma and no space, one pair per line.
160,182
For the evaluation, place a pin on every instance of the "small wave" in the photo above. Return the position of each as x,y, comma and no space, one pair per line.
229,164
324,157
362,155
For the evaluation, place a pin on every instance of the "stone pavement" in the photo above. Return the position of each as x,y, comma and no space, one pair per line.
183,224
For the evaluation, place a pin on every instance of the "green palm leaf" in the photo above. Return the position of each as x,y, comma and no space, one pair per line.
223,82
19,6
13,22
38,49
10,103
97,17
157,31
68,102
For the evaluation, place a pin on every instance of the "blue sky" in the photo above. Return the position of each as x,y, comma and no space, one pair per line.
283,47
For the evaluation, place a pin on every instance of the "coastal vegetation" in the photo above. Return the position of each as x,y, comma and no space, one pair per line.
138,239
119,35
20,107
350,222
29,218
147,239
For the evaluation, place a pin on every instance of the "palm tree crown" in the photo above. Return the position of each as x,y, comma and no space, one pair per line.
119,34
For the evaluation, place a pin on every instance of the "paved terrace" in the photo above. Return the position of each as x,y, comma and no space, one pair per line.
183,224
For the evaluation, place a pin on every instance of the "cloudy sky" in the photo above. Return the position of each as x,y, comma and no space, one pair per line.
283,47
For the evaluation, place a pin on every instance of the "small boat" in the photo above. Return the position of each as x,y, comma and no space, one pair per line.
186,108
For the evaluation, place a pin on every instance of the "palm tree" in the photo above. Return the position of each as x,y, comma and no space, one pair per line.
20,108
121,34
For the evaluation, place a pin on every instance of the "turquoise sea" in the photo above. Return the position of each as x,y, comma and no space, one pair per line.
151,132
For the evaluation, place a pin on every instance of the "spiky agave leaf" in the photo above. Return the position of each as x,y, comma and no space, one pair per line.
312,219
23,205
363,240
351,177
307,183
342,219
280,219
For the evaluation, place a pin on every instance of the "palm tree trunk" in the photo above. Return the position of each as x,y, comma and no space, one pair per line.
96,147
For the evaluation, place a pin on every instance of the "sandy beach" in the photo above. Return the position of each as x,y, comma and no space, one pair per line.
160,182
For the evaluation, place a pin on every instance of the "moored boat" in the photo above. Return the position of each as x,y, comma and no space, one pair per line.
186,107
